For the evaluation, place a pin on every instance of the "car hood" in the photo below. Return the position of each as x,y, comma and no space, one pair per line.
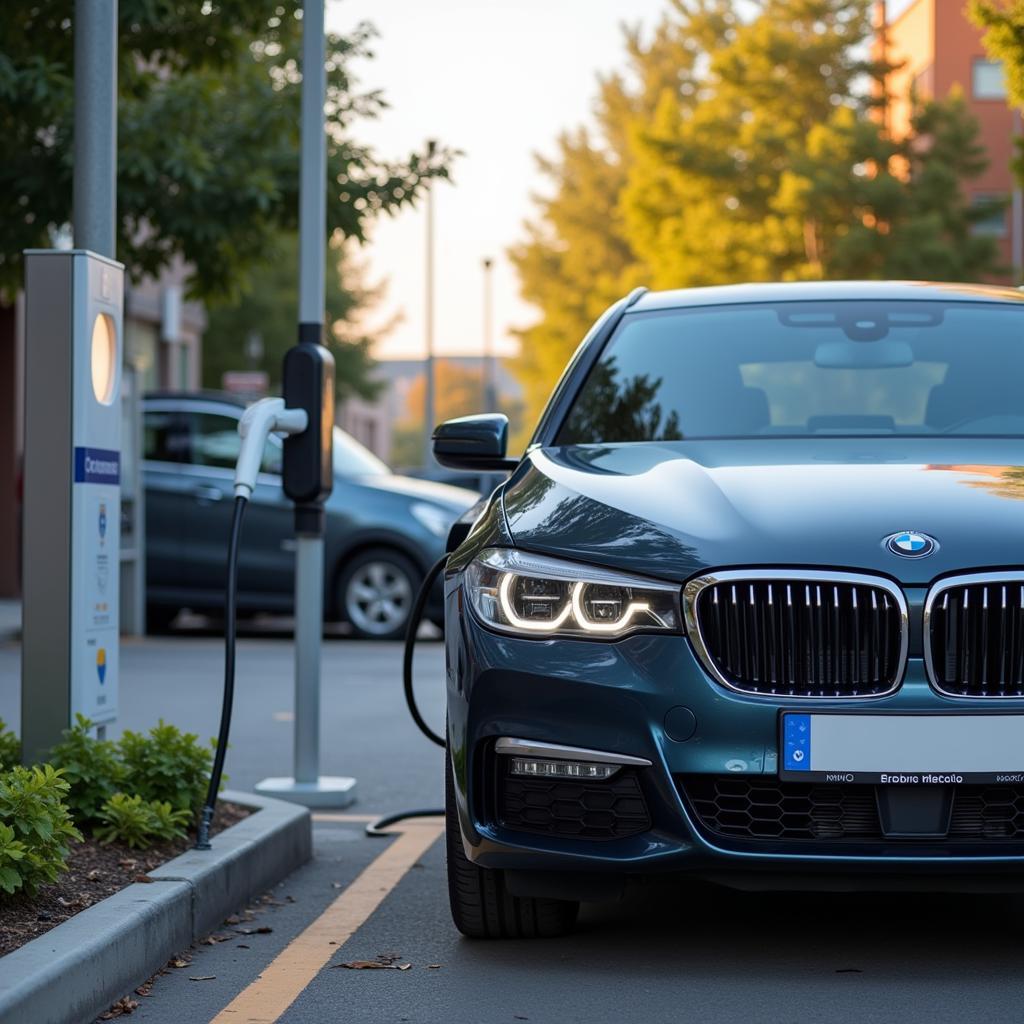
671,510
458,499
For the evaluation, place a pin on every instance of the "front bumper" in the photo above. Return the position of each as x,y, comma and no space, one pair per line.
648,697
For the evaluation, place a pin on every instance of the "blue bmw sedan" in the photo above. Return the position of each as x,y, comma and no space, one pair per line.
751,607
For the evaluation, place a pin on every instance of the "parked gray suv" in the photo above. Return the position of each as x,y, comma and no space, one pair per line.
383,530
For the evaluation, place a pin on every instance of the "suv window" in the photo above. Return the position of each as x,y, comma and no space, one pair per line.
164,437
215,442
806,369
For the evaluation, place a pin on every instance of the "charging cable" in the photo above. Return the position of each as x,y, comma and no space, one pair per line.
380,826
267,416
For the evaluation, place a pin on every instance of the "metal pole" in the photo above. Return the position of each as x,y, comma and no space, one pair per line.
95,142
309,556
428,365
309,574
490,368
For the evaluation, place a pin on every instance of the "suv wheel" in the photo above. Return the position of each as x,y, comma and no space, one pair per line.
482,908
376,590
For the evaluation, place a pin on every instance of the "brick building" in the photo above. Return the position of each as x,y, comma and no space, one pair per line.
939,50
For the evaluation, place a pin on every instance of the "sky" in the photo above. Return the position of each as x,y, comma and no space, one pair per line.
498,79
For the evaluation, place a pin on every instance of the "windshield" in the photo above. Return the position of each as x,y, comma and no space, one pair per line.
352,459
803,369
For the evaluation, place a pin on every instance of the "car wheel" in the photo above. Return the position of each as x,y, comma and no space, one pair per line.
482,907
376,590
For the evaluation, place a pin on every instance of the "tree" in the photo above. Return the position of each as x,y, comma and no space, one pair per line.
208,127
744,149
268,308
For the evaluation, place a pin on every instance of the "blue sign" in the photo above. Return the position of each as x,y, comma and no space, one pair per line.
97,466
796,735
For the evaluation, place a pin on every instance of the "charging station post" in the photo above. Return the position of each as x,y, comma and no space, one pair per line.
309,456
71,531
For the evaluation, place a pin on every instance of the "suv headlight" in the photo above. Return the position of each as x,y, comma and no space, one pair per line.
531,595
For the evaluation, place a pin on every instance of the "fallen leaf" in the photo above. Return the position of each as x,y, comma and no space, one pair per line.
232,919
262,930
212,940
93,875
372,965
143,878
127,863
124,1006
241,946
180,962
202,977
433,967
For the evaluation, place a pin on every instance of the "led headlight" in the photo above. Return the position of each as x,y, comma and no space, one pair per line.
532,595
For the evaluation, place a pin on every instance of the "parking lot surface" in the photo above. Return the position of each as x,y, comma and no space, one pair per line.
671,953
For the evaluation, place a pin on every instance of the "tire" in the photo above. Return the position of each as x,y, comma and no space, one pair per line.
376,591
482,908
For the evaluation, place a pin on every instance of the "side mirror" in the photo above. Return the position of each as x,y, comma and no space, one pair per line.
474,442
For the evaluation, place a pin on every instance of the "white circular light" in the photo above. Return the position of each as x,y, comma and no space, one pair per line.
104,358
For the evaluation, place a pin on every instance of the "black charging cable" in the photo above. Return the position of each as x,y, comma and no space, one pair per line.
230,616
379,827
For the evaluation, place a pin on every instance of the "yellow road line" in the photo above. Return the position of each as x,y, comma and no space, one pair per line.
287,975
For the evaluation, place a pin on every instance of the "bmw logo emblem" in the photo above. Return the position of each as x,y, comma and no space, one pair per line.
911,544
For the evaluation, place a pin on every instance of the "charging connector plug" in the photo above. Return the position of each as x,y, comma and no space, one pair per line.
267,416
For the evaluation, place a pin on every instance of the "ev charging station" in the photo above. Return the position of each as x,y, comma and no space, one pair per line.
71,531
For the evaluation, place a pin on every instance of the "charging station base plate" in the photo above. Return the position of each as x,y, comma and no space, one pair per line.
327,791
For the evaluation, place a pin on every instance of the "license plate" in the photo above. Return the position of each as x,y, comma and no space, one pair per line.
903,749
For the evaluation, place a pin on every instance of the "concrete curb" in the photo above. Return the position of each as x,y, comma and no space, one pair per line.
76,970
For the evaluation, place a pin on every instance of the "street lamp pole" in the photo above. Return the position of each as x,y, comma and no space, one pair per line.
428,363
490,368
94,181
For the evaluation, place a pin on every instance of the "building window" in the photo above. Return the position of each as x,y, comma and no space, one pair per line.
993,223
987,79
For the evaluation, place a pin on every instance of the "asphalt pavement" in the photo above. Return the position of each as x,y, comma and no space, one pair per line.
670,953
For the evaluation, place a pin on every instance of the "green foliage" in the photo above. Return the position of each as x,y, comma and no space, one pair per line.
742,144
91,767
208,130
10,747
269,306
139,823
167,765
12,856
35,827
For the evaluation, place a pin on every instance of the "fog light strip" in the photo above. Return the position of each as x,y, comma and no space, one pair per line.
538,769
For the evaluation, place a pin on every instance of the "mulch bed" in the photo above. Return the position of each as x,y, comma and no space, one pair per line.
94,872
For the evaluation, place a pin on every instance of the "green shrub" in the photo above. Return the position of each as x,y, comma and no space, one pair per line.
36,827
139,823
12,853
10,747
167,765
92,768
